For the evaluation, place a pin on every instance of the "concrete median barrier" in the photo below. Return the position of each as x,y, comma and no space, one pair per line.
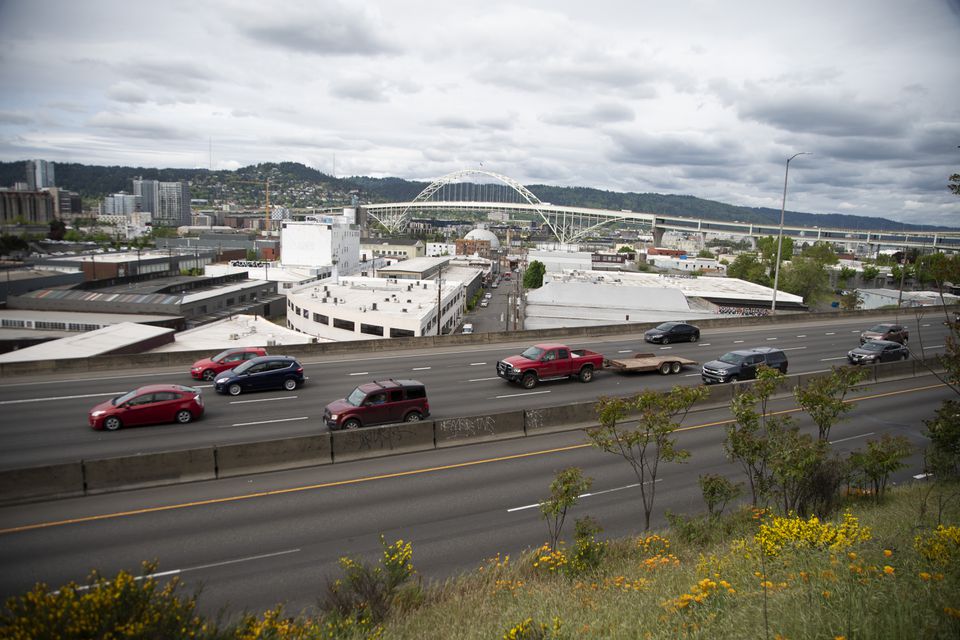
273,455
149,470
893,370
563,418
41,483
496,426
373,442
718,395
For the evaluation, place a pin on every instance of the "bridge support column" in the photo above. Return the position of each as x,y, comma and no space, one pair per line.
657,236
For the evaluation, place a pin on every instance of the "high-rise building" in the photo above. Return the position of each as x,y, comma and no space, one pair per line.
148,192
120,204
169,202
174,204
40,175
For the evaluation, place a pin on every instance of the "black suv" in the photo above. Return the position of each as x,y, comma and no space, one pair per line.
742,364
265,372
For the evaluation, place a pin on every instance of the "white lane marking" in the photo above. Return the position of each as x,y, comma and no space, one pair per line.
792,348
583,495
921,476
802,335
625,351
264,400
359,373
476,364
737,341
662,348
88,395
483,379
830,333
854,331
691,375
925,325
421,368
247,424
517,395
173,572
936,346
829,359
863,435
772,339
704,344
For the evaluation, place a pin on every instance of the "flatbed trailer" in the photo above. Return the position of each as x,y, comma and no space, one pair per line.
649,362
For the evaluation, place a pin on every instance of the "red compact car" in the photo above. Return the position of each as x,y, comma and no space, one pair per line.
148,405
208,368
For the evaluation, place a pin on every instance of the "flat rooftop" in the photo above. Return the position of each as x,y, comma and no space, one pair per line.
89,344
236,331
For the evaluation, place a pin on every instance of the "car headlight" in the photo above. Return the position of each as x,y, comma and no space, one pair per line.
334,416
221,380
97,414
514,370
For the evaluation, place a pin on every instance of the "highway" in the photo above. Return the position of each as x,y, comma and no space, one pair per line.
45,417
254,541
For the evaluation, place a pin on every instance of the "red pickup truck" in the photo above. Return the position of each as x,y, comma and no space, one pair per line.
549,361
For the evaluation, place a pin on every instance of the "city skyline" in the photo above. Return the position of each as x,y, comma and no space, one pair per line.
699,99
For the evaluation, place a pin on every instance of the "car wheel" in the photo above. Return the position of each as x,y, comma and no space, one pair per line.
529,380
234,389
694,337
112,423
664,368
586,374
783,369
906,355
209,375
290,384
184,416
351,424
666,340
674,367
413,416
733,379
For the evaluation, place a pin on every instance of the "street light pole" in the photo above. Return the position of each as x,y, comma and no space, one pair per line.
783,208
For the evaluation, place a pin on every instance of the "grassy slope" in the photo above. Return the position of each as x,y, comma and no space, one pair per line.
814,594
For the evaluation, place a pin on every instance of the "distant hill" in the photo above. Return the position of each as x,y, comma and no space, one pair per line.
296,185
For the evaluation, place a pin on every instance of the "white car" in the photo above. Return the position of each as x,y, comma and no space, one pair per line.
484,303
487,295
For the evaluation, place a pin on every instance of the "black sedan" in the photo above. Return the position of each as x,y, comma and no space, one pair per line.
672,332
874,351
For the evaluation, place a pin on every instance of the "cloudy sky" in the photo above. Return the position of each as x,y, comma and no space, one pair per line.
700,97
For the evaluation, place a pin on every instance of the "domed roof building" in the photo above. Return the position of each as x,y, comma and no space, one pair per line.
484,234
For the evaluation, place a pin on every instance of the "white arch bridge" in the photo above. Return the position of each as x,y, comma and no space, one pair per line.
475,190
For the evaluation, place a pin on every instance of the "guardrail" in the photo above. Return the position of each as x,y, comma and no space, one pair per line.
88,477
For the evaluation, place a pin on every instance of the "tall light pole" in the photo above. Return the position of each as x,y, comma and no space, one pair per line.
783,208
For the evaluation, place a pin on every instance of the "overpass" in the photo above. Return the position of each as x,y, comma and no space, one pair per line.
453,192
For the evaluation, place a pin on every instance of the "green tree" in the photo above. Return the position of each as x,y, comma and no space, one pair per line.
823,398
943,430
851,300
747,267
705,253
626,249
768,249
748,439
57,229
652,441
954,184
881,458
533,276
870,273
717,492
821,252
845,274
565,490
805,277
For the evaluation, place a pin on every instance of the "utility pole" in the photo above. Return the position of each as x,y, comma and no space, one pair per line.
439,291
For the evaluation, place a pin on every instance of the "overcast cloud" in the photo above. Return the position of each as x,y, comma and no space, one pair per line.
696,97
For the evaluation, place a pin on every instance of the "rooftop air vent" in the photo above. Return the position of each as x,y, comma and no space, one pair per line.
373,306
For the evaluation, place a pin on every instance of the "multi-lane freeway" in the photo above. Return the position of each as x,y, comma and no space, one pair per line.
254,541
45,417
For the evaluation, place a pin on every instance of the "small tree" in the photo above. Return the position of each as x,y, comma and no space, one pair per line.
533,276
652,441
943,454
882,458
717,492
851,301
870,273
845,274
565,490
822,398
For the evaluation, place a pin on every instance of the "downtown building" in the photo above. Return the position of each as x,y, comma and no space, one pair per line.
169,202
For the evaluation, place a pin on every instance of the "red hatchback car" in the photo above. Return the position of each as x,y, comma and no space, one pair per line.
148,405
208,368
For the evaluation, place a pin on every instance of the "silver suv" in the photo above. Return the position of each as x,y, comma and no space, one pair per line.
742,364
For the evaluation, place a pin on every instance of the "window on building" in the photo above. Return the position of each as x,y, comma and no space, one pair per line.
401,333
322,319
349,325
371,329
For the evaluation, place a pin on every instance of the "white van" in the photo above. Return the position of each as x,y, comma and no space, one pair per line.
467,328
